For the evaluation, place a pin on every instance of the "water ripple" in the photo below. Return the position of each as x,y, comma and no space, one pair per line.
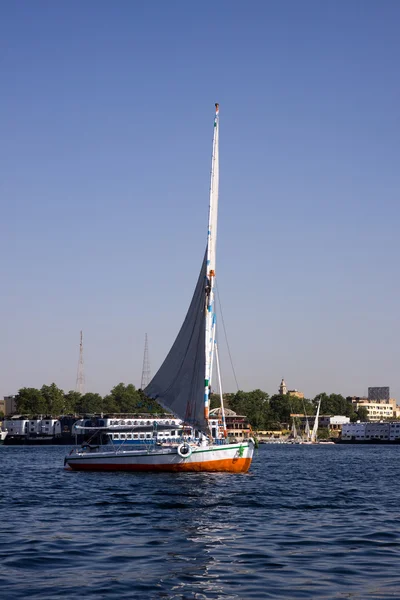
306,522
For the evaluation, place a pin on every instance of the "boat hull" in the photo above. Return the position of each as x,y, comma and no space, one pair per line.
231,458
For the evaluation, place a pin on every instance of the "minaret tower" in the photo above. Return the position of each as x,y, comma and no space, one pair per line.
283,388
80,376
146,374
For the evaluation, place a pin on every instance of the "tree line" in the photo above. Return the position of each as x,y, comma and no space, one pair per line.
262,411
51,400
272,412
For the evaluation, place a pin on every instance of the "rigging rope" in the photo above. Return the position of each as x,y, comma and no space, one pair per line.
226,337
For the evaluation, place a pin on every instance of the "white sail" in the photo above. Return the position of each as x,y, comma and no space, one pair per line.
315,427
211,264
307,430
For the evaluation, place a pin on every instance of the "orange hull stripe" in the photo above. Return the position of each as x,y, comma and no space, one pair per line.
228,465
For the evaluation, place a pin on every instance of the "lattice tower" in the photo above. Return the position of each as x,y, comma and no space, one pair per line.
80,376
146,374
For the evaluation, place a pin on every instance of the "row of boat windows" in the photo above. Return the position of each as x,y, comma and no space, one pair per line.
122,422
137,436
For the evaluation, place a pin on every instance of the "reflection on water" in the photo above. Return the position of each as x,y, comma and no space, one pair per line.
305,522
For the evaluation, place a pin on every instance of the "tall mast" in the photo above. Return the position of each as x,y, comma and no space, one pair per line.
146,374
80,376
211,251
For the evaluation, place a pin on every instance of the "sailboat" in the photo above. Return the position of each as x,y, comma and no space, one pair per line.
183,382
307,431
315,427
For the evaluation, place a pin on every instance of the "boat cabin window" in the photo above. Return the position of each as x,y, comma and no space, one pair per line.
141,436
135,436
123,436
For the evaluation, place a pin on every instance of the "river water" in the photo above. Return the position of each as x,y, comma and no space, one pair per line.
305,522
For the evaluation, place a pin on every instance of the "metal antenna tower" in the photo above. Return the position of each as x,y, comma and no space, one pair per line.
146,374
80,376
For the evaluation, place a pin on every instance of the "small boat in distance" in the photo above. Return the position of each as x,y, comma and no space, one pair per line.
3,435
183,382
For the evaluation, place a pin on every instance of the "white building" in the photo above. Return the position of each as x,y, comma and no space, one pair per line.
371,431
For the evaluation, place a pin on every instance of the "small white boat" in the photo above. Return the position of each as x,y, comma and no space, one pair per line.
3,435
183,382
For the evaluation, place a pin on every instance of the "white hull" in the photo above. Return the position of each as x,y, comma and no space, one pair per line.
234,458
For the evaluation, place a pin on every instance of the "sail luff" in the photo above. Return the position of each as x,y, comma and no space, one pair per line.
211,263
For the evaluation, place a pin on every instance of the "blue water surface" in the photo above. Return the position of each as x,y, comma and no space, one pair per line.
305,522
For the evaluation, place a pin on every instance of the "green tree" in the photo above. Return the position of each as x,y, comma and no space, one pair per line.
90,403
362,414
110,404
280,407
54,398
334,404
30,401
72,402
124,399
252,404
149,405
215,401
323,433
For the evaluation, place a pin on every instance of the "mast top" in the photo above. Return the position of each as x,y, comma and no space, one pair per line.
216,107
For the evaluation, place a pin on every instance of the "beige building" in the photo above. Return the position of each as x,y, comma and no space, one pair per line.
377,411
283,391
296,393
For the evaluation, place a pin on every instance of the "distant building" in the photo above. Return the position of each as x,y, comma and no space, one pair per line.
296,393
365,432
282,388
283,391
378,393
378,410
9,405
237,426
383,408
3,406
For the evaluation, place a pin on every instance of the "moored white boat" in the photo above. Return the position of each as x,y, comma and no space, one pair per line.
183,382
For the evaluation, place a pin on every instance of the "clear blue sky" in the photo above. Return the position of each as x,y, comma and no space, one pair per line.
106,112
